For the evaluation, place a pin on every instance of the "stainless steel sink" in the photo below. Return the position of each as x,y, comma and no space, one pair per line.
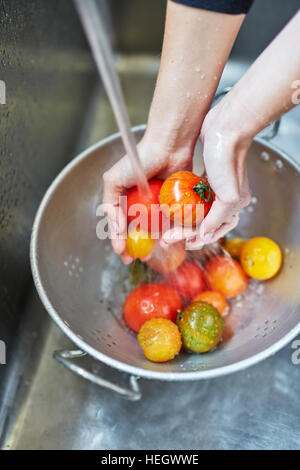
44,406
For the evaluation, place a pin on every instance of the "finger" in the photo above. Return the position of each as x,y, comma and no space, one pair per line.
198,242
118,245
178,233
115,180
219,214
126,258
195,243
225,228
117,231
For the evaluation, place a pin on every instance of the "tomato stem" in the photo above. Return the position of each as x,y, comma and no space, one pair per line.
201,189
180,313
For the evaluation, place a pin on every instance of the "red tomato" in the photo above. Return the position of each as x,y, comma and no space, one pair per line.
187,280
135,197
151,301
186,198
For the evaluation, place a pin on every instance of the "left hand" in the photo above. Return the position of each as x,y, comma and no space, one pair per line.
224,152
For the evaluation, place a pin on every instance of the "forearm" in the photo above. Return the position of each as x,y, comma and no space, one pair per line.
195,49
266,91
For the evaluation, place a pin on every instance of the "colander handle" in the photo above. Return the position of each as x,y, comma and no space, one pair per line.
272,128
65,357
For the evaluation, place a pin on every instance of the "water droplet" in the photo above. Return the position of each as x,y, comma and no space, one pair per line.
279,164
253,200
197,69
265,156
202,76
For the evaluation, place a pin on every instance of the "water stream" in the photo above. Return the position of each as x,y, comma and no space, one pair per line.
90,16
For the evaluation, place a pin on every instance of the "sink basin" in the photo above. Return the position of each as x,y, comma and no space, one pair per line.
44,406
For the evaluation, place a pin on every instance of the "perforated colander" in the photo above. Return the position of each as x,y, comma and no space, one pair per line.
82,283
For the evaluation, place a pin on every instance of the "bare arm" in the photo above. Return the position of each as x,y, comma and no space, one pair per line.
263,94
195,49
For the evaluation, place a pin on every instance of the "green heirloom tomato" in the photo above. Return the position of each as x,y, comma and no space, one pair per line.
201,327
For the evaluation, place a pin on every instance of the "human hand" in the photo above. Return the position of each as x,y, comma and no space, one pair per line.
225,149
159,159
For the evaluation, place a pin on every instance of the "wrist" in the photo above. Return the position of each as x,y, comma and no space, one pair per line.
228,122
235,118
158,142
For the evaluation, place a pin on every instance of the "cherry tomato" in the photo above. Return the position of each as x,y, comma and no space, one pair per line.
261,258
225,275
165,260
201,327
139,244
134,196
160,339
151,301
186,198
187,280
234,246
216,299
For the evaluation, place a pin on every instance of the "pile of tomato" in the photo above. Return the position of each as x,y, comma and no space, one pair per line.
187,304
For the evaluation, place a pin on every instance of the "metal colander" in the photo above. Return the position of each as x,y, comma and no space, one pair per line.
83,284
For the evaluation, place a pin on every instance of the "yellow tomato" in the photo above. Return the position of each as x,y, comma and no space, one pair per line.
160,339
139,244
234,246
261,258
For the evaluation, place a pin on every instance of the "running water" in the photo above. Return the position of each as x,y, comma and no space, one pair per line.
90,16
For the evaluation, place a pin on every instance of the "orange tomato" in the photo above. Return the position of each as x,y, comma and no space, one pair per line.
225,275
186,198
216,299
165,260
234,246
139,244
